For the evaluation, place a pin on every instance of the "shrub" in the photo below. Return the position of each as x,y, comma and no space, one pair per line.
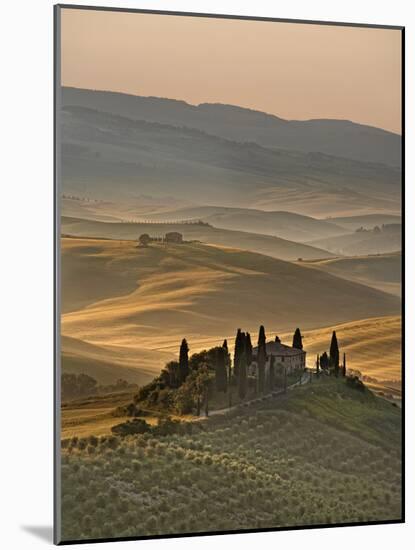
135,426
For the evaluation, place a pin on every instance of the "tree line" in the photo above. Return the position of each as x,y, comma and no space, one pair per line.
186,384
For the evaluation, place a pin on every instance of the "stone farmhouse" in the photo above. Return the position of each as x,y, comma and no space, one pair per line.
290,358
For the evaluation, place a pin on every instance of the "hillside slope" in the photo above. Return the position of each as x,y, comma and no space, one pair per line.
363,243
369,221
381,271
264,244
325,454
148,299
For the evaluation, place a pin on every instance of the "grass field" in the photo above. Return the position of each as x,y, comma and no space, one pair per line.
380,271
326,453
136,304
373,346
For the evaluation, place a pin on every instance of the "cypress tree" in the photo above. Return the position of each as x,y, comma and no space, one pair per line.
334,354
248,349
237,352
297,339
183,361
243,377
344,364
318,366
220,370
227,363
262,358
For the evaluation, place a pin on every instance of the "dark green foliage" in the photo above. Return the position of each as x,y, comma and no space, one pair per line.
204,359
145,391
166,426
144,239
324,361
297,339
221,377
239,350
243,377
248,349
355,383
344,365
318,366
334,354
261,359
129,410
135,426
192,393
183,361
170,375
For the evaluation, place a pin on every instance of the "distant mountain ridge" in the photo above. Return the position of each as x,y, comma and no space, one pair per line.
329,136
105,155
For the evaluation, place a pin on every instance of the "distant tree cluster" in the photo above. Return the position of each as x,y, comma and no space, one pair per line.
184,385
75,386
384,228
331,363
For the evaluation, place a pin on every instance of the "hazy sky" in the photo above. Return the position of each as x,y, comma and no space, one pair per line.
294,71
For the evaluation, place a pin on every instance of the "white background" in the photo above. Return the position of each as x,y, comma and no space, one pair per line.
26,320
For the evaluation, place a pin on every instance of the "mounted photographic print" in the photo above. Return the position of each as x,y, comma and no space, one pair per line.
228,274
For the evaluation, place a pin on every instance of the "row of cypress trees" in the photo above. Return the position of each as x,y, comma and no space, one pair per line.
225,376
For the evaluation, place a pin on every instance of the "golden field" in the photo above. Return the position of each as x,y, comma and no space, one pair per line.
135,305
372,346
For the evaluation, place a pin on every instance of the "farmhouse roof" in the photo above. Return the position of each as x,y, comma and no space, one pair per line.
276,348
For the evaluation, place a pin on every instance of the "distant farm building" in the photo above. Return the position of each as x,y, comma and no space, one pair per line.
173,237
287,357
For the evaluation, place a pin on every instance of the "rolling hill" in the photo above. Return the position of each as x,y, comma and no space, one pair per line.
373,346
264,244
368,221
106,156
326,454
138,303
381,271
109,363
332,137
285,225
363,243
